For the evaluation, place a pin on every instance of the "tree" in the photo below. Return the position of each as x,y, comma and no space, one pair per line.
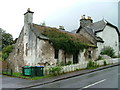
1,39
6,41
6,50
7,38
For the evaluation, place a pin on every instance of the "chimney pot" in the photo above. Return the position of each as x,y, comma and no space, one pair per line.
83,17
89,17
28,9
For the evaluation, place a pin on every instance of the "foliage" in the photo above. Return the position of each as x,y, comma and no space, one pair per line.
61,40
6,50
6,42
92,64
108,51
7,39
99,58
55,70
105,63
62,64
69,62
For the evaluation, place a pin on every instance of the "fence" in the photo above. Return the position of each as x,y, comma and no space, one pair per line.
80,65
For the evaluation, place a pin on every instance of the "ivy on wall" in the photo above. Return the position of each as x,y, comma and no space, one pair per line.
70,43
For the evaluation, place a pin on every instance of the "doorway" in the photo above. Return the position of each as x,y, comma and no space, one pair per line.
75,58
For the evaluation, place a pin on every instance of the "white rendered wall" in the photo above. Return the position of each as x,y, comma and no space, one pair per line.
110,38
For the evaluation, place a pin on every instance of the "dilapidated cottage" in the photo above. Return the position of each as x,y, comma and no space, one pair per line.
43,45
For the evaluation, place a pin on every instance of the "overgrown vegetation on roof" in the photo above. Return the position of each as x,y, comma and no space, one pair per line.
68,42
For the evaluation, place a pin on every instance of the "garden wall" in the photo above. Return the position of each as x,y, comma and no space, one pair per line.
81,65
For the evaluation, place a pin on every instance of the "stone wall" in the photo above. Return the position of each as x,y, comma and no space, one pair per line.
15,59
38,51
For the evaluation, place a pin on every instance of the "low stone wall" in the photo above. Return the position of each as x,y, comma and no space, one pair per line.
81,65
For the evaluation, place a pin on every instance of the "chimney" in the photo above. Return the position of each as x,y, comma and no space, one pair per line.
85,21
28,17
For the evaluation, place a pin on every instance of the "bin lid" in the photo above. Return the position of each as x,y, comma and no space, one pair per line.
27,66
39,66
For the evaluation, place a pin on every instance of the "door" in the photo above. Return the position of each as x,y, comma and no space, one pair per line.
75,58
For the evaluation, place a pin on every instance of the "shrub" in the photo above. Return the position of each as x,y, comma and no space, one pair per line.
69,62
62,64
99,58
55,70
4,56
6,50
92,64
105,63
108,51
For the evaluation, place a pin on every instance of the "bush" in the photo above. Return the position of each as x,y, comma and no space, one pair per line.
99,58
4,56
105,63
55,70
92,64
108,51
62,64
69,62
6,50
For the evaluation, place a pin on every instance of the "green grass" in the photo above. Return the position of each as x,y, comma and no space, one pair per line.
91,68
19,75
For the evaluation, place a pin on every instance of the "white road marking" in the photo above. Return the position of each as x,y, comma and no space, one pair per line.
94,83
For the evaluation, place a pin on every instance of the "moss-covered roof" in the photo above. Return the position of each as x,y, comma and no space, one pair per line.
55,33
62,39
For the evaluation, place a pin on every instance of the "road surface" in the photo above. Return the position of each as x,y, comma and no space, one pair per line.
107,78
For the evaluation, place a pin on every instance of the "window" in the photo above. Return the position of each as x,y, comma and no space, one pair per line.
18,50
56,53
26,49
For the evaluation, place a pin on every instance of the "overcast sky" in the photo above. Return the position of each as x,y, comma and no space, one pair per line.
55,13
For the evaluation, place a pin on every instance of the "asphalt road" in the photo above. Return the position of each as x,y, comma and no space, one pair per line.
107,78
